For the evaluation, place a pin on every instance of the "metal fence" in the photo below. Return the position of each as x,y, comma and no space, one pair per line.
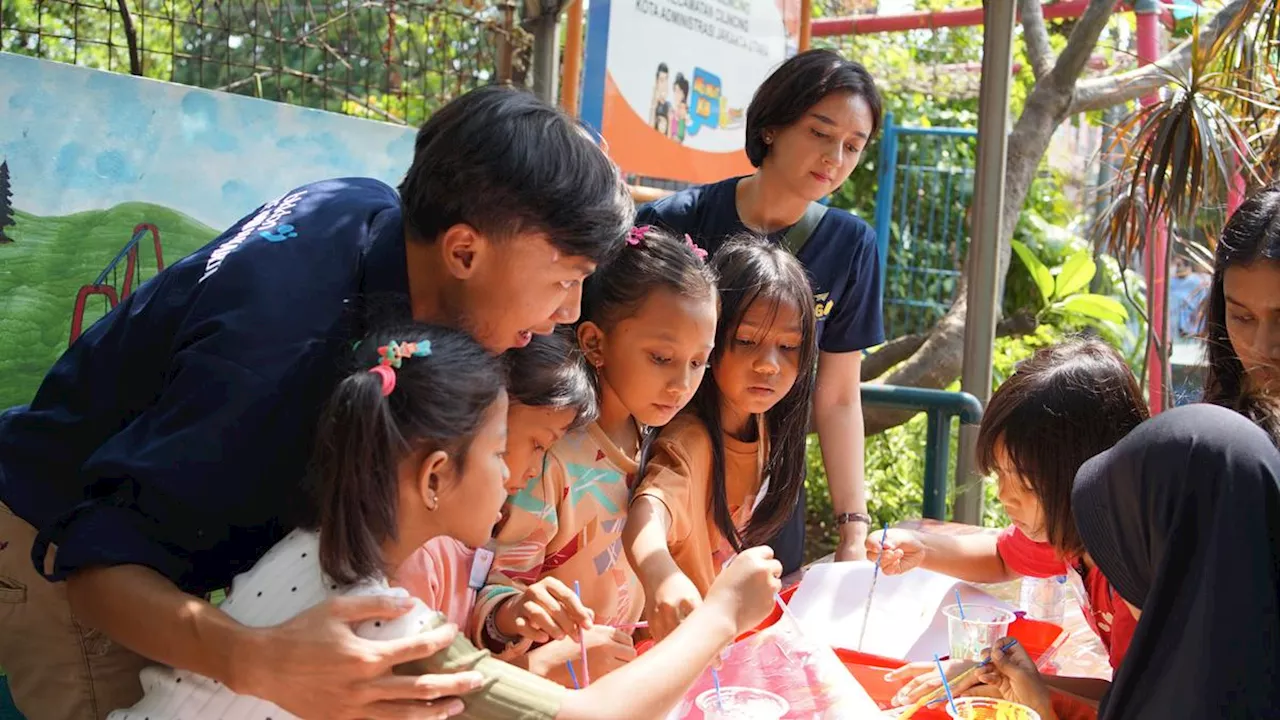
390,60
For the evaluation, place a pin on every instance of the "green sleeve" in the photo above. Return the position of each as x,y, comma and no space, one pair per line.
508,692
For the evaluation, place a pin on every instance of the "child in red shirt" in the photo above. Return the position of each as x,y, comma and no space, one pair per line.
1066,404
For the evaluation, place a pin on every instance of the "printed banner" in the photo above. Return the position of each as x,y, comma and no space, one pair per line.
668,82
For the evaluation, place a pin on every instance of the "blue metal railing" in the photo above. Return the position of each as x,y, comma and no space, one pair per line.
925,187
940,406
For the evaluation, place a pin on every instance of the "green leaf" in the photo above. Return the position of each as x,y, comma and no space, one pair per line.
1039,273
1098,307
1075,274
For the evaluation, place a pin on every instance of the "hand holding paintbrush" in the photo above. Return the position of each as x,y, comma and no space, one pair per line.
957,682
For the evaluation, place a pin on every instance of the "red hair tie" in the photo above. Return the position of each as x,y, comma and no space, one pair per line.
388,377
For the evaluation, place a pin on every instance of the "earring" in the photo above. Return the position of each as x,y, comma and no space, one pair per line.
768,138
433,502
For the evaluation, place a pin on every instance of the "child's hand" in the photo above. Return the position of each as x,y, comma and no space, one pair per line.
546,610
607,649
746,588
923,679
675,598
903,551
1014,676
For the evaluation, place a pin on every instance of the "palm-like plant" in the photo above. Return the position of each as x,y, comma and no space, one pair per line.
1216,123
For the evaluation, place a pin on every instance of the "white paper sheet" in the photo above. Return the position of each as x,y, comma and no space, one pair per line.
906,620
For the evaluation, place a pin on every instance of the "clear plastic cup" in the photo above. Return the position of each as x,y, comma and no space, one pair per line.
1045,598
981,628
742,703
978,708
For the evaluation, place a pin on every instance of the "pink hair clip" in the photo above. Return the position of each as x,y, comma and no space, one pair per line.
388,377
702,254
636,236
390,356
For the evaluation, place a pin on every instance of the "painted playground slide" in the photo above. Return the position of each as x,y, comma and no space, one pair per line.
105,179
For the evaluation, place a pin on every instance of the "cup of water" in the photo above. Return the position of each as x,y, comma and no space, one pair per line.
1045,598
976,629
979,708
742,703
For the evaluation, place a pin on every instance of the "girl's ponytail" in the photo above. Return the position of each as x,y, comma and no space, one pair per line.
358,448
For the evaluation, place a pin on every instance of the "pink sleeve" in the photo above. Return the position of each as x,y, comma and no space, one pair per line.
437,573
1027,557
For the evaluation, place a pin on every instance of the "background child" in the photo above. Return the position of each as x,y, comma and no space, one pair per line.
1066,404
703,496
1243,318
549,391
410,450
649,320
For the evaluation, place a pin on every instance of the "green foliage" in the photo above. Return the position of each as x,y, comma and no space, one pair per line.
894,462
395,62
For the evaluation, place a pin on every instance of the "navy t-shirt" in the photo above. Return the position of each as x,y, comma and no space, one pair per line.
175,433
841,257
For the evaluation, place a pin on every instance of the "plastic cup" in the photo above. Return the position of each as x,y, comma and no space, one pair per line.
981,628
978,708
741,703
1045,598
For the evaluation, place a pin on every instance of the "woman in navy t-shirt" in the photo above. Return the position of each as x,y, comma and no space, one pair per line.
806,129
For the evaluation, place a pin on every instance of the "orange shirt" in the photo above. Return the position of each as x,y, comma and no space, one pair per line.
679,476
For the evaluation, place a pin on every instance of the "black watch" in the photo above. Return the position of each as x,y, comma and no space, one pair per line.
844,518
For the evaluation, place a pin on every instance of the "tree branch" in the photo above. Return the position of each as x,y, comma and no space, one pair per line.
1104,92
1036,37
1080,45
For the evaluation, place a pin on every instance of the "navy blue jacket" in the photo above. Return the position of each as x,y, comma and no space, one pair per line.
175,433
841,257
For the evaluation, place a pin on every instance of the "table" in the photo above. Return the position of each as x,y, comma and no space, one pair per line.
1081,655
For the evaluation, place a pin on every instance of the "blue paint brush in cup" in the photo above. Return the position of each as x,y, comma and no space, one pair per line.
946,686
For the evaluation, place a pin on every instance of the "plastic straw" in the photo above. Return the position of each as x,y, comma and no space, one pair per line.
586,674
573,675
959,605
946,686
632,626
715,678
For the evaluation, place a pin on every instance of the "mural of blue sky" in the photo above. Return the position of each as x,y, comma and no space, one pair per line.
213,156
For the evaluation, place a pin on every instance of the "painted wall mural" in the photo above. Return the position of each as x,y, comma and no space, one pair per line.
105,178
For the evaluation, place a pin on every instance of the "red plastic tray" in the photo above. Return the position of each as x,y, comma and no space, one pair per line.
1040,639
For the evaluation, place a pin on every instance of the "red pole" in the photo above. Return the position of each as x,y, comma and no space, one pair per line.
968,17
1157,252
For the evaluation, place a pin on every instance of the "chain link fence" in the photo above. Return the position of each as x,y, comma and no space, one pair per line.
390,60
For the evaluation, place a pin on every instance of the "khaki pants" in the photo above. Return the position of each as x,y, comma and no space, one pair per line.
58,670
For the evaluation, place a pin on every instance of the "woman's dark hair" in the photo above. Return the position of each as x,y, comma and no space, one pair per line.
1252,233
504,162
796,86
551,372
657,261
1263,411
751,270
1064,405
438,403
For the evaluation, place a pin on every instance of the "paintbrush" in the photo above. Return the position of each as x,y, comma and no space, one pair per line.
866,615
937,694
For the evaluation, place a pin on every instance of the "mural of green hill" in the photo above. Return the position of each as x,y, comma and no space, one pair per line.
43,269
